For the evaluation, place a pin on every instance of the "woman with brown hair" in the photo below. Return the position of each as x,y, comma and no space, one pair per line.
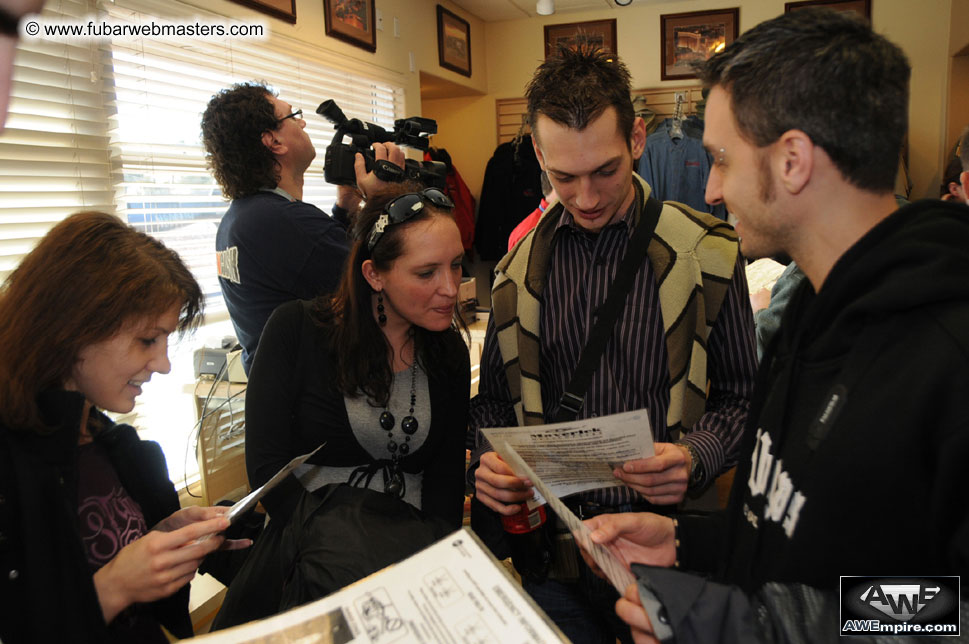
93,546
378,371
379,374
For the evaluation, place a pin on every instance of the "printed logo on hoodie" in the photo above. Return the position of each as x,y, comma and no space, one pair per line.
768,479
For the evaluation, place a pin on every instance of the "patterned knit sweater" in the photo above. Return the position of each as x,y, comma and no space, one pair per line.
693,256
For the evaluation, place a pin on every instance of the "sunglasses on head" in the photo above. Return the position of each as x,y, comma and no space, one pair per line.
404,207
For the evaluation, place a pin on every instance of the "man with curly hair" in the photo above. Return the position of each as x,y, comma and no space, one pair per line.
272,247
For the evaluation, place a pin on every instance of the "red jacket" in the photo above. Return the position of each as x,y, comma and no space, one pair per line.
526,224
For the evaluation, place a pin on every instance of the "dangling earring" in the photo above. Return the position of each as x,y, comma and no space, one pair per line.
381,316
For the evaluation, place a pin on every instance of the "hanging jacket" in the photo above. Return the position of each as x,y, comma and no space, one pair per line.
512,189
677,169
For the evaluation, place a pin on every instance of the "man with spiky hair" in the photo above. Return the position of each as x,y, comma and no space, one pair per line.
855,450
684,323
271,246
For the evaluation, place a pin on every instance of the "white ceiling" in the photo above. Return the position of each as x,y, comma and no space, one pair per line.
495,10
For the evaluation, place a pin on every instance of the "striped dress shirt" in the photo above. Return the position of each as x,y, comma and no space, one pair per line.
634,371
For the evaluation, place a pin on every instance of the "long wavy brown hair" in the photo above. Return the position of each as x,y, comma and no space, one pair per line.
88,278
358,347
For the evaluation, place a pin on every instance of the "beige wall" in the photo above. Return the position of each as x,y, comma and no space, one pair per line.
418,34
958,106
515,48
466,127
921,29
504,55
958,102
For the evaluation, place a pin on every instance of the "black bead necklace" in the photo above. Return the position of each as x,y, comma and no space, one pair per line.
394,481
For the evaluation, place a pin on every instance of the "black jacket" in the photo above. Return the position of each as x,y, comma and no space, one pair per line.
859,436
292,406
47,587
511,190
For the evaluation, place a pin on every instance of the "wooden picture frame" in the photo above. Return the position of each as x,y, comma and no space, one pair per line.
282,9
861,7
599,33
352,21
692,37
453,42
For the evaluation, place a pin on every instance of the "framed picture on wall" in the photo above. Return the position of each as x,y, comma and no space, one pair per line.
453,42
688,38
861,7
597,33
352,21
282,9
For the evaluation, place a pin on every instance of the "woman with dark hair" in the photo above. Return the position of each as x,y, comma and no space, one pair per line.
93,546
377,371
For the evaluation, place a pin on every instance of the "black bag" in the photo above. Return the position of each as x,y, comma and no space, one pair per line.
225,564
336,535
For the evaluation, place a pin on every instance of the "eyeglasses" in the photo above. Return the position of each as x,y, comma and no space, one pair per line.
298,114
404,207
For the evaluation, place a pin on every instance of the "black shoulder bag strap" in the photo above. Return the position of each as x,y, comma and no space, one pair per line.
574,395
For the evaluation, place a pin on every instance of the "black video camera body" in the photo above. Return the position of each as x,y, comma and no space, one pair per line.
411,132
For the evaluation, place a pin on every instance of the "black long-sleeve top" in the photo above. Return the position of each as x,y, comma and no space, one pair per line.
292,407
46,582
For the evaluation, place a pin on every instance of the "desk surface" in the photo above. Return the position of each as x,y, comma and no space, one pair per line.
478,328
205,388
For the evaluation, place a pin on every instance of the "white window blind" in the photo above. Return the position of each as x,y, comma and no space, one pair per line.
54,153
114,126
161,88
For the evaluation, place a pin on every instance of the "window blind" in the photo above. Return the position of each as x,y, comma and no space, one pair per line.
114,126
54,152
160,89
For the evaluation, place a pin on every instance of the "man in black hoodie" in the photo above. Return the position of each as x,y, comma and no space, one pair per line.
858,437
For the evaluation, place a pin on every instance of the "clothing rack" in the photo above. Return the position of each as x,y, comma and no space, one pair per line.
676,129
662,100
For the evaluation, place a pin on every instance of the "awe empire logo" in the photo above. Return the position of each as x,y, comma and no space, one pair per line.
899,601
900,606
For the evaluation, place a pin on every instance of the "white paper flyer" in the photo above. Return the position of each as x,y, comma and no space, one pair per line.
454,591
580,455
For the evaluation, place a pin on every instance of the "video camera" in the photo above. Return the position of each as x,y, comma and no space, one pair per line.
412,132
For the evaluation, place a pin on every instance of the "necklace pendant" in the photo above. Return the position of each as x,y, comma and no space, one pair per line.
409,425
392,446
404,449
393,482
387,420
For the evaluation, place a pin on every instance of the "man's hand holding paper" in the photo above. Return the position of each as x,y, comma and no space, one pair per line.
616,571
496,485
661,478
641,537
569,457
